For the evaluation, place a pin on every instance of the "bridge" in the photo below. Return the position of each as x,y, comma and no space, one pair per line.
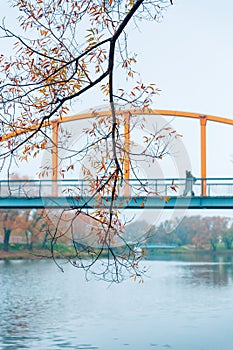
144,194
210,193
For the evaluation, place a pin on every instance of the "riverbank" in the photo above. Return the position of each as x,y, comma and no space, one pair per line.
194,256
18,253
188,251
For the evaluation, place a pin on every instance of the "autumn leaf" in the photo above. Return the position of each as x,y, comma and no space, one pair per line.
166,199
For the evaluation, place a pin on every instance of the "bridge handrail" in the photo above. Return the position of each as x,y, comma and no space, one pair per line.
130,180
81,187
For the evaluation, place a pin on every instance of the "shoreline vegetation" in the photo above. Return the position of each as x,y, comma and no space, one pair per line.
193,237
20,252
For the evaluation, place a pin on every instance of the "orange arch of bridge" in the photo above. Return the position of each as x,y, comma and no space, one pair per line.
203,118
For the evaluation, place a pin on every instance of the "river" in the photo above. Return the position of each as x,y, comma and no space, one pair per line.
183,305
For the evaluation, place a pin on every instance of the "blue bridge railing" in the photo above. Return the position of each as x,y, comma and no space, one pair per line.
136,187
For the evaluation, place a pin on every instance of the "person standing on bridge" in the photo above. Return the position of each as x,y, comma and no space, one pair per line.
190,180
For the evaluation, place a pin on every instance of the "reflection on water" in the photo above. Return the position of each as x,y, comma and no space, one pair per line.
205,269
183,305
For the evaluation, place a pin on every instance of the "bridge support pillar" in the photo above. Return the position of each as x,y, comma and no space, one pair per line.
126,165
55,158
203,121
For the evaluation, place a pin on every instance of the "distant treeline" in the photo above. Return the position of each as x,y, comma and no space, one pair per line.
201,232
35,227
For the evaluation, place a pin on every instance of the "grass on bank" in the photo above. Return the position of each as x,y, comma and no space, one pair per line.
21,250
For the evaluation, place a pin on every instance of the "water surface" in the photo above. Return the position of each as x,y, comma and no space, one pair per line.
183,305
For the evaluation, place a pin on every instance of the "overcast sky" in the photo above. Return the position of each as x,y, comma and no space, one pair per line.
189,55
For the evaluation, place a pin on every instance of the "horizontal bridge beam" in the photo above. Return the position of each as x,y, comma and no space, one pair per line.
121,203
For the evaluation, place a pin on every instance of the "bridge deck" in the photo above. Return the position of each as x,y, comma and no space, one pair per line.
144,193
198,202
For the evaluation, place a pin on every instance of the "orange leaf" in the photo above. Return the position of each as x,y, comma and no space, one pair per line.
166,199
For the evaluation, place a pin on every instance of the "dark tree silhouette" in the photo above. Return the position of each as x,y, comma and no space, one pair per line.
62,50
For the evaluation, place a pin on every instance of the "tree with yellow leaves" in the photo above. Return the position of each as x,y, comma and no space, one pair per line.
66,48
